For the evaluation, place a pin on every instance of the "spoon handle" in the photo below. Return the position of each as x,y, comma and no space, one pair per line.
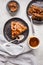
32,27
33,32
11,42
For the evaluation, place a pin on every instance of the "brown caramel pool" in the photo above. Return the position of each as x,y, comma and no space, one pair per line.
13,6
34,42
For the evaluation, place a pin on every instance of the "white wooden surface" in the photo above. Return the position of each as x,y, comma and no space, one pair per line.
4,16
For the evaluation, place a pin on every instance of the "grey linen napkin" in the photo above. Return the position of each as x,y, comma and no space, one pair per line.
25,58
22,59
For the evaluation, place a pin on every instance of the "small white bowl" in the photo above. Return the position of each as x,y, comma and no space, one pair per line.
30,45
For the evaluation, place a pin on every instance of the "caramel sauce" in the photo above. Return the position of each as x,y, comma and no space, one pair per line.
34,42
13,6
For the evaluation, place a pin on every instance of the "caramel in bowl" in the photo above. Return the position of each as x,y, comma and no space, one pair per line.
33,42
13,6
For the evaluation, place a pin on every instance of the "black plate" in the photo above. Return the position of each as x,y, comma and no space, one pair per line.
12,13
38,3
7,29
